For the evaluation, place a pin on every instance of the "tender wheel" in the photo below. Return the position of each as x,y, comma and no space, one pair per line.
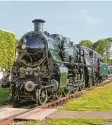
41,96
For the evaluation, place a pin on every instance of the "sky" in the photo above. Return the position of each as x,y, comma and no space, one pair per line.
76,20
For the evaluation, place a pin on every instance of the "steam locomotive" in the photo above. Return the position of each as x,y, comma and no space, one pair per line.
50,66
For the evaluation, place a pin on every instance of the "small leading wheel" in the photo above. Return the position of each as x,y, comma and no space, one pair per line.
41,96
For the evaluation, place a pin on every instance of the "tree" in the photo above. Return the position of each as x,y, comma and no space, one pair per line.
109,39
86,43
103,47
7,49
110,61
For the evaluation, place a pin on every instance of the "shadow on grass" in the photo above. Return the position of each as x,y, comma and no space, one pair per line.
5,102
94,124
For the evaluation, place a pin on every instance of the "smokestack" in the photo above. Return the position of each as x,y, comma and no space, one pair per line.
38,25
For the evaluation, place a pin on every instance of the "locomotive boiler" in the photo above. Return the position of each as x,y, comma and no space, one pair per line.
49,66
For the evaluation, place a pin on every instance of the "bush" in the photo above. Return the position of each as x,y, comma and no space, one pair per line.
7,49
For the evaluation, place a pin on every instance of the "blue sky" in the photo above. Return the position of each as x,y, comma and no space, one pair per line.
76,20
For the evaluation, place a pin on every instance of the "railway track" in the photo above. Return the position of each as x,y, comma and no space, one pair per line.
53,104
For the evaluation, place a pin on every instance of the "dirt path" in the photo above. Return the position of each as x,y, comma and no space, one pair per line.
82,114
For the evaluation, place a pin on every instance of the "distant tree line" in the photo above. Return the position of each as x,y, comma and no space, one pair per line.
102,46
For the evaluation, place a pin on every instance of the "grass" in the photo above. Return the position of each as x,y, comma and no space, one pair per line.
99,99
69,121
4,96
4,93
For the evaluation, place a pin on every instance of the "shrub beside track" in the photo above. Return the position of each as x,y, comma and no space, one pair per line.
7,48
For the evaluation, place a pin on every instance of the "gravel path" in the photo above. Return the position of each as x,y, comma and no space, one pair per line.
82,114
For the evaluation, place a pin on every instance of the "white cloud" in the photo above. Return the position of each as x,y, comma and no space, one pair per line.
87,18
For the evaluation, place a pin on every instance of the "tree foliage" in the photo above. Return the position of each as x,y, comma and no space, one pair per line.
86,43
7,49
109,39
103,47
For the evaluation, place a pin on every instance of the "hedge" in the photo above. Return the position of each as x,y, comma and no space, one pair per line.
7,49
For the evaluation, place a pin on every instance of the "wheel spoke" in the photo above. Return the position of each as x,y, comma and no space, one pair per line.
41,96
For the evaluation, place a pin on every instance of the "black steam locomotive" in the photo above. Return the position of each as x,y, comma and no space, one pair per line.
50,65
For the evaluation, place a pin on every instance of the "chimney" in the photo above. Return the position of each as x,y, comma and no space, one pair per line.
38,25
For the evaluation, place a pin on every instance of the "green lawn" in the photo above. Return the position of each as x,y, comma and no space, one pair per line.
4,96
99,99
69,121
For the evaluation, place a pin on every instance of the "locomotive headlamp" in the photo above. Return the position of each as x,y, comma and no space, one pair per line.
29,86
